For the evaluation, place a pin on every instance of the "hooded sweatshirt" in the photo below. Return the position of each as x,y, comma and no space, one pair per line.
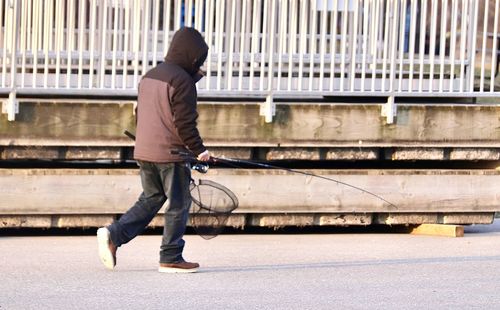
167,99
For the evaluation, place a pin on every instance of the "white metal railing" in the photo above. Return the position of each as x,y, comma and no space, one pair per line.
263,48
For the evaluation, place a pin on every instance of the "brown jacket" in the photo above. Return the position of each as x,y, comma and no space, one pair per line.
167,99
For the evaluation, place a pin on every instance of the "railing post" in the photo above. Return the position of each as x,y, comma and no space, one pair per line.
11,106
268,109
389,110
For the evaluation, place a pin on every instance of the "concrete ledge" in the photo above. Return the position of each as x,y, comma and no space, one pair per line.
240,221
239,124
113,191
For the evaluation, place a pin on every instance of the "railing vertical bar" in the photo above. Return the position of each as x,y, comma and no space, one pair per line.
199,10
8,32
343,43
454,17
393,45
264,45
272,36
156,27
220,16
145,36
81,34
385,55
116,17
333,43
432,46
30,25
103,30
367,5
188,11
243,35
58,39
312,42
126,43
423,29
255,38
136,40
413,34
473,21
354,49
442,44
485,39
119,12
322,55
374,52
231,51
292,42
2,42
402,43
47,42
209,21
70,41
166,24
302,42
463,40
35,40
282,36
24,38
494,52
13,46
92,35
177,14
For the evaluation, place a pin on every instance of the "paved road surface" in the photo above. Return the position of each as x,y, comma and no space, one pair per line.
271,271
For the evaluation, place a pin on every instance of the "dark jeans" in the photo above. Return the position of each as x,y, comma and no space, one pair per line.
159,182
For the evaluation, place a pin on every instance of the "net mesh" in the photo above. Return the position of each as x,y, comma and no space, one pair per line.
212,204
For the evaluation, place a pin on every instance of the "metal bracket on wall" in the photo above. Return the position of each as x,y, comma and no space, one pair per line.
389,110
10,106
268,109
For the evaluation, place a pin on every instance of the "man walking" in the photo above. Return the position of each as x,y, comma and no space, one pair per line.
166,121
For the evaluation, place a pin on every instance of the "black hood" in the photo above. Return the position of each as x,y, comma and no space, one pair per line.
187,50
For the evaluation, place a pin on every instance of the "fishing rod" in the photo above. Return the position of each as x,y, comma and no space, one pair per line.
197,165
203,168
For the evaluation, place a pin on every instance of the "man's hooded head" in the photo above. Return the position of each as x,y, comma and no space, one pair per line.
187,50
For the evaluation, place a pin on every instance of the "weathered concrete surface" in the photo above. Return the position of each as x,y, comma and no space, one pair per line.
95,123
249,220
101,191
343,270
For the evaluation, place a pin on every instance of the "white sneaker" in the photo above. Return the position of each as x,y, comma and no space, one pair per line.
107,250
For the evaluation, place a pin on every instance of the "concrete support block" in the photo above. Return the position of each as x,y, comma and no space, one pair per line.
344,219
352,154
418,154
25,221
402,218
281,220
475,154
466,218
293,153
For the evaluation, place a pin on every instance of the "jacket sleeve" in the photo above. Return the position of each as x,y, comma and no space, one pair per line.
185,115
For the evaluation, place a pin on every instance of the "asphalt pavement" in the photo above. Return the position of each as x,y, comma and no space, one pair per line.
340,270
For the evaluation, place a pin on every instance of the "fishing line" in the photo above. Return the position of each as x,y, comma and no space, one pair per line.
248,162
234,163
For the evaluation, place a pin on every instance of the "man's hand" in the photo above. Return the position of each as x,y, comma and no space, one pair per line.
205,156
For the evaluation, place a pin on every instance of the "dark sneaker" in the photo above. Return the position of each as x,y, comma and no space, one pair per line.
183,267
107,250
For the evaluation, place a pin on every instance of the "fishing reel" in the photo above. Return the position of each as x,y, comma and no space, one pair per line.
200,167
